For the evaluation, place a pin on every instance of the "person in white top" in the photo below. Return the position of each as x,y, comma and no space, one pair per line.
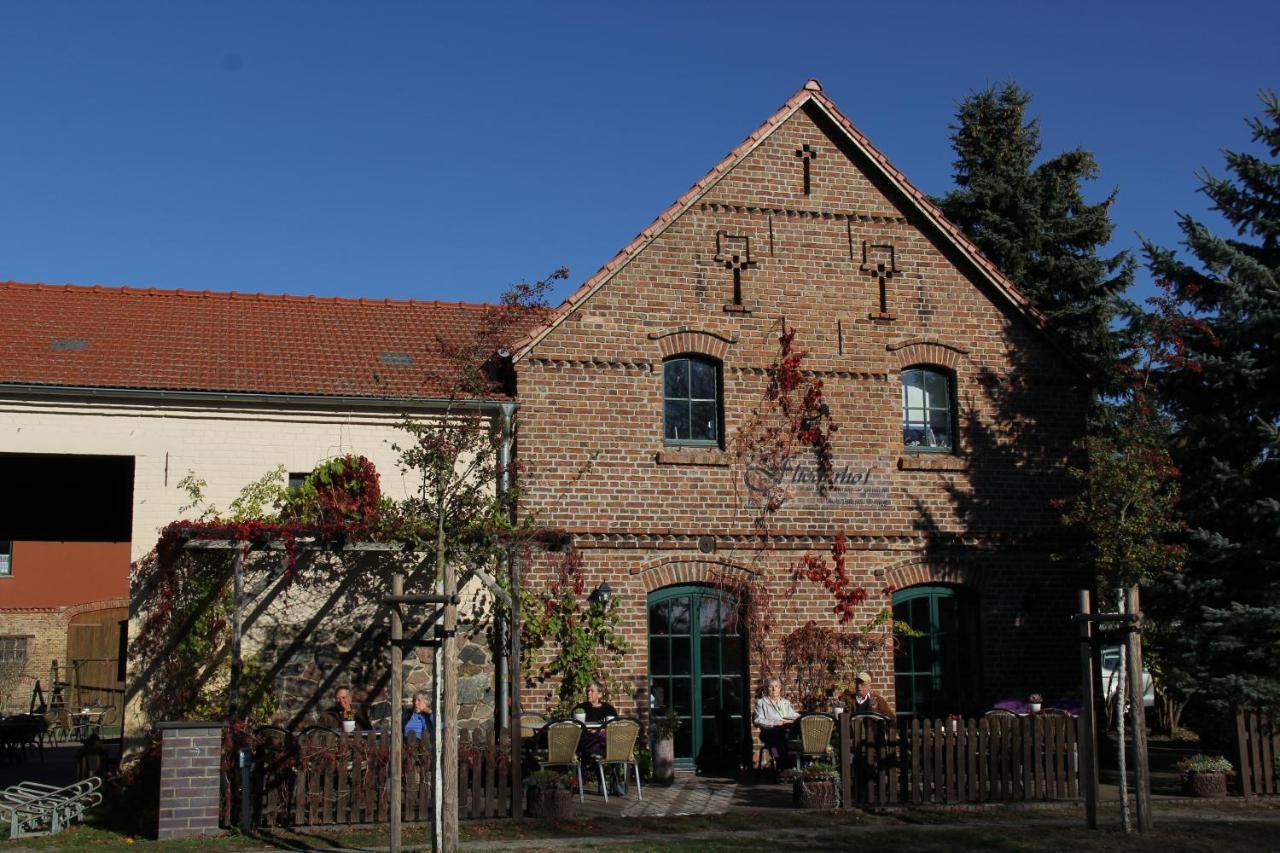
774,716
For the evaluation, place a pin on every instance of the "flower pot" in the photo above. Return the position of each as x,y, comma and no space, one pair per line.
550,802
664,760
348,726
813,794
1035,707
1210,784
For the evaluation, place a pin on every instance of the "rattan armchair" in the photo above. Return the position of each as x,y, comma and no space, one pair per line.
620,736
563,737
814,742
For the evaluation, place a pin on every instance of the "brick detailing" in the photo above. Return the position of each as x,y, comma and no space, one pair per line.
190,756
923,570
673,571
926,351
682,340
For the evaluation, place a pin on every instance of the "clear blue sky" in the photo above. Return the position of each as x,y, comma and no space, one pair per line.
445,150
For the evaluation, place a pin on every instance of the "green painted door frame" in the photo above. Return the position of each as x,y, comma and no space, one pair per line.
697,666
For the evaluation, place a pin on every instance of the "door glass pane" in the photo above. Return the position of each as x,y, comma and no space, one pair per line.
681,696
658,618
710,663
659,656
680,615
728,617
681,662
684,741
732,650
708,611
660,690
710,696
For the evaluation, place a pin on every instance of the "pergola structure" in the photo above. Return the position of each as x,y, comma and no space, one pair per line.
444,600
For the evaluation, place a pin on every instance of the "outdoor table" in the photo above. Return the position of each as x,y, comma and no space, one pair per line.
87,722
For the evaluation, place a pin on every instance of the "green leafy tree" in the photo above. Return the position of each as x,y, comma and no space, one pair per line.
1033,222
1218,322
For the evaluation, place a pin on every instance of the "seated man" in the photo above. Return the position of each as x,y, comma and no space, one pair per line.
866,702
418,720
343,710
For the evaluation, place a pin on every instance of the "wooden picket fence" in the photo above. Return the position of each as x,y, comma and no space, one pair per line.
324,778
1257,750
1000,758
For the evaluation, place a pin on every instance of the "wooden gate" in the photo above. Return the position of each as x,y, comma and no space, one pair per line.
93,661
1257,753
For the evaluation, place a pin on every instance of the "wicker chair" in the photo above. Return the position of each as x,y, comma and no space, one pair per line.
814,742
1000,712
530,724
620,737
563,737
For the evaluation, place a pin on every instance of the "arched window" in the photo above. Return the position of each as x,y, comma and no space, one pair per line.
936,672
928,415
691,400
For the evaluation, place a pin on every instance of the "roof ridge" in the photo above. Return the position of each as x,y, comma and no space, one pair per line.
233,295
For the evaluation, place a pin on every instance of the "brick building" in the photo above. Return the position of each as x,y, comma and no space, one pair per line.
956,408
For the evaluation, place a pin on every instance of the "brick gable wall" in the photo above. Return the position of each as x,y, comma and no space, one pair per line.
591,413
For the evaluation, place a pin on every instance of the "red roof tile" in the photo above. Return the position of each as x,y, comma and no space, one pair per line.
108,337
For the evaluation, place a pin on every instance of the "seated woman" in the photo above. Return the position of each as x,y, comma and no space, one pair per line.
595,710
774,716
418,720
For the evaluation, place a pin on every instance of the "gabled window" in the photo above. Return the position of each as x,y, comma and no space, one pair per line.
928,412
691,410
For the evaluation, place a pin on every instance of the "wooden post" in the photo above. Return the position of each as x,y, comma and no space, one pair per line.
449,699
437,781
1089,739
1137,689
397,699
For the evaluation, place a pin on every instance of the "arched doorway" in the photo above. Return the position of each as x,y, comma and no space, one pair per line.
697,667
937,673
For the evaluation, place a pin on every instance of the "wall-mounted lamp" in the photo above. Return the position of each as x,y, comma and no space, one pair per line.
603,595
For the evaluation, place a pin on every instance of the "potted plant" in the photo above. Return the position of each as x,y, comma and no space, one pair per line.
1035,700
1205,775
663,732
550,795
815,787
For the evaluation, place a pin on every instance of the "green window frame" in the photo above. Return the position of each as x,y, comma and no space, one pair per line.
698,669
692,412
939,672
928,410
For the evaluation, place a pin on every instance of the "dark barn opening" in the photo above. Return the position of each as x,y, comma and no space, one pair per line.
56,497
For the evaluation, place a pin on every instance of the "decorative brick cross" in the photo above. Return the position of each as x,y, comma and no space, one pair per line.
879,269
807,153
737,261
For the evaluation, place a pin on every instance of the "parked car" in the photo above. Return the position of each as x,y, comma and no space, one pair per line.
1111,680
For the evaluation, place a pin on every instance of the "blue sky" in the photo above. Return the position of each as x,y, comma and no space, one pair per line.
444,151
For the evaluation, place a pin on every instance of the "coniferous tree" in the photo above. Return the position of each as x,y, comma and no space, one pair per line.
1033,222
1219,321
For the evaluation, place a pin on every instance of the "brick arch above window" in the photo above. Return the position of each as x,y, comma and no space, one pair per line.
916,351
686,340
921,570
672,571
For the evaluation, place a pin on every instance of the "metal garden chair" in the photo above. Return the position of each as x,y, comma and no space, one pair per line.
620,736
563,737
31,808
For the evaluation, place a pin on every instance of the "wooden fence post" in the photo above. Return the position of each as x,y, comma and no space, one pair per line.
1089,735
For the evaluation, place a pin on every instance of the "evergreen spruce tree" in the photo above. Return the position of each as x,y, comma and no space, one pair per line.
1219,322
1033,222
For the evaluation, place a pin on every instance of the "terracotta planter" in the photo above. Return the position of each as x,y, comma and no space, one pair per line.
1212,784
552,803
819,794
664,760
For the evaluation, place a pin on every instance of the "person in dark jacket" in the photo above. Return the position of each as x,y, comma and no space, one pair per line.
866,702
343,710
418,719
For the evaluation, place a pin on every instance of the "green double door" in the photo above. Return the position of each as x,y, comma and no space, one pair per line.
937,672
697,668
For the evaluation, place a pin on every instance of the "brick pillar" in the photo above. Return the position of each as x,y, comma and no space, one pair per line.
190,755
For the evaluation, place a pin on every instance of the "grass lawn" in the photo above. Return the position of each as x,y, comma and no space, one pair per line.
1211,828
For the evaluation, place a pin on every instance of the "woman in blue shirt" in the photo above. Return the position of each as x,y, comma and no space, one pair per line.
418,721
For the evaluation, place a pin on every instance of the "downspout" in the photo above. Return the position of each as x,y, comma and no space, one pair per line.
503,669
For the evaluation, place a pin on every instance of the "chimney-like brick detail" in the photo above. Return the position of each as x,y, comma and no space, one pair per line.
190,755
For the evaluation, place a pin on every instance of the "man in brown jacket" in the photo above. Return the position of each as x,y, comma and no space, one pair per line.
866,702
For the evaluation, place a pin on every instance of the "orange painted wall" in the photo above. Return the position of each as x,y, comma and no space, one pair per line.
54,574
